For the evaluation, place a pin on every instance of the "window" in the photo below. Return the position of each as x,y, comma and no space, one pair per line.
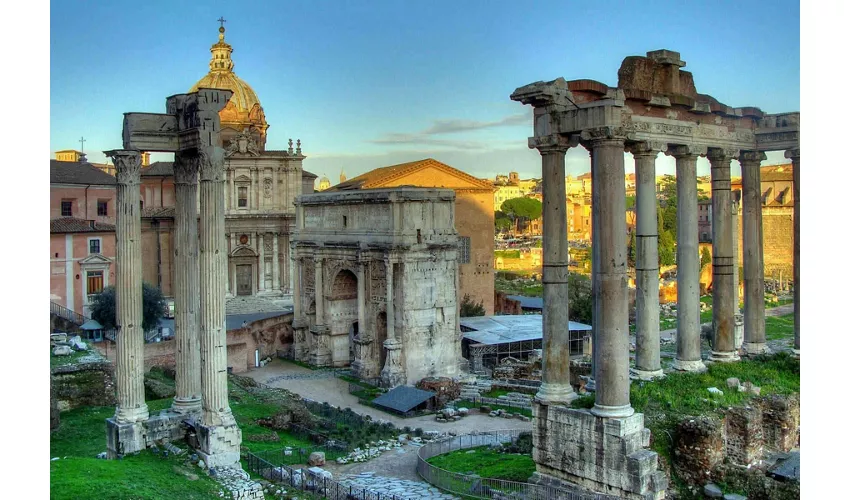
102,208
94,282
463,251
243,197
66,208
94,245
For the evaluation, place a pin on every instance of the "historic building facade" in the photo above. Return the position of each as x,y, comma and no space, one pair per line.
376,278
474,217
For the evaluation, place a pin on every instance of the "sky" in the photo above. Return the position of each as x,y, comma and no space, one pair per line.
365,84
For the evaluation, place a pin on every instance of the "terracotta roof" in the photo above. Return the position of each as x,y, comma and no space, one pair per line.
74,225
305,173
380,176
72,172
158,212
158,168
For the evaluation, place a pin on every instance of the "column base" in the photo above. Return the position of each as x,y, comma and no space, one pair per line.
796,353
724,356
755,348
392,375
130,415
555,394
123,438
574,448
590,384
186,406
689,366
638,374
219,445
606,411
320,354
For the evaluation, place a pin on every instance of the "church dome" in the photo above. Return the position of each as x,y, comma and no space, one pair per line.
244,110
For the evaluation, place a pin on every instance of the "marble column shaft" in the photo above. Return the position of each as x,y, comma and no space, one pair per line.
186,285
723,259
390,301
555,385
261,262
213,266
647,344
612,336
362,330
594,269
275,262
794,155
688,344
130,340
754,334
319,291
297,308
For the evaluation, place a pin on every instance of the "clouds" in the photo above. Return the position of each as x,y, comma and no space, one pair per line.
453,126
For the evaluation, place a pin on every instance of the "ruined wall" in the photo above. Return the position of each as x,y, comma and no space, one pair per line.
778,242
83,384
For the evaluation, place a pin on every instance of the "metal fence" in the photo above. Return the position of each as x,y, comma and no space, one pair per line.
304,480
471,486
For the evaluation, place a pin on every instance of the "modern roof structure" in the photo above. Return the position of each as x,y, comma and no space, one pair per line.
492,330
528,302
403,398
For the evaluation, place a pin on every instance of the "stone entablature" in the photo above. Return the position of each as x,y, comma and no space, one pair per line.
376,283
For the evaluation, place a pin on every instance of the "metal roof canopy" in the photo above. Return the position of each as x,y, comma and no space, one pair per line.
91,325
403,398
491,330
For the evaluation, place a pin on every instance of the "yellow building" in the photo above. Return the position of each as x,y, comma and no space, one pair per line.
504,193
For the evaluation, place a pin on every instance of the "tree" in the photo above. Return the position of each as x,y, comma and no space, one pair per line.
666,249
669,205
469,308
522,208
704,257
632,256
103,309
502,221
580,298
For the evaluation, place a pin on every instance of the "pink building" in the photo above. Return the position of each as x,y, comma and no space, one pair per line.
82,233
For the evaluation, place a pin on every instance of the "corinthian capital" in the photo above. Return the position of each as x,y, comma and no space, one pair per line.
793,154
128,165
685,150
186,168
211,163
751,158
548,144
603,136
722,154
646,148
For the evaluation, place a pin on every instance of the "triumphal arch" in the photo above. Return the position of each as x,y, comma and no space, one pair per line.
655,108
376,281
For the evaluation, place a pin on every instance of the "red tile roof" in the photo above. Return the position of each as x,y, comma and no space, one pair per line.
74,225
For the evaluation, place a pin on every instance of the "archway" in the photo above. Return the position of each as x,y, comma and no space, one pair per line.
343,316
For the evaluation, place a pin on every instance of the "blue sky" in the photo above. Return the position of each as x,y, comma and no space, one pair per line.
366,84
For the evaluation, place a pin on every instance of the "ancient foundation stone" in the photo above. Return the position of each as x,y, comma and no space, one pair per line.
606,455
84,384
218,445
699,447
54,407
744,435
781,422
445,388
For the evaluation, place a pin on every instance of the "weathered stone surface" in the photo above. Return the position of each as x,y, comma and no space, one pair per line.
711,490
698,448
446,389
744,435
781,422
84,384
316,458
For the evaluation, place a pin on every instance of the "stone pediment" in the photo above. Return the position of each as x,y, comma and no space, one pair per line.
431,173
95,259
243,252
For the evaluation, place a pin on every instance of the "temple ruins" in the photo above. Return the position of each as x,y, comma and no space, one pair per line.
191,130
654,108
376,281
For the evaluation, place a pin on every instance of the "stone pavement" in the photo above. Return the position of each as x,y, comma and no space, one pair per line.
399,488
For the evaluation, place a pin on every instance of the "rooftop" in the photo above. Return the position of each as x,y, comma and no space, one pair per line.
72,172
491,330
74,225
403,398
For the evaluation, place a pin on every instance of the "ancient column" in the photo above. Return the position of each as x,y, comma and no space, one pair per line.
392,374
363,364
296,291
723,261
362,330
739,318
594,275
275,262
612,335
794,155
320,293
688,351
261,262
130,340
186,285
754,335
648,339
555,385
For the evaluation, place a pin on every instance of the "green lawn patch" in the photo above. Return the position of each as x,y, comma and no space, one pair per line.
779,327
71,359
495,393
507,254
486,463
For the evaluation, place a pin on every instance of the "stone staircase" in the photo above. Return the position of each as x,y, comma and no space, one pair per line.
472,390
248,304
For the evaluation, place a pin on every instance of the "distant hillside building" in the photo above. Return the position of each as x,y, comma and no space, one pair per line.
474,217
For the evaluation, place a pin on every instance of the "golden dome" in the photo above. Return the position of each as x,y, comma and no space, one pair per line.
244,109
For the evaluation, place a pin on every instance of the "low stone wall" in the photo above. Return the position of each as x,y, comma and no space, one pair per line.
707,446
83,384
54,407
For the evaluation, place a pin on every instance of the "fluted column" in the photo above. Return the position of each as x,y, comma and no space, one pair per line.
555,385
794,155
129,369
362,329
297,308
392,373
186,285
723,294
688,350
612,334
275,262
647,335
261,262
320,295
754,334
213,265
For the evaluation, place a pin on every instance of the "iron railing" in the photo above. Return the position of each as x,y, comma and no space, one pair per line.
64,312
265,465
472,486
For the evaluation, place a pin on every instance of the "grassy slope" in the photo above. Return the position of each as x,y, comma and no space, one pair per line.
486,463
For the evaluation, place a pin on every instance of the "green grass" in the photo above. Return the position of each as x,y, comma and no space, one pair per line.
70,359
486,463
507,254
495,393
779,327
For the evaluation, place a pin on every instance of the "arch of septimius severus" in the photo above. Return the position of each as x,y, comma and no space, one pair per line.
654,109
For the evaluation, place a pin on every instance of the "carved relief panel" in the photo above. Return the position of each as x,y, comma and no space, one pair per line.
378,282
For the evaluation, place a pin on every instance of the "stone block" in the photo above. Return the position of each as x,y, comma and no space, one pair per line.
744,435
624,426
699,447
219,445
780,422
124,438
